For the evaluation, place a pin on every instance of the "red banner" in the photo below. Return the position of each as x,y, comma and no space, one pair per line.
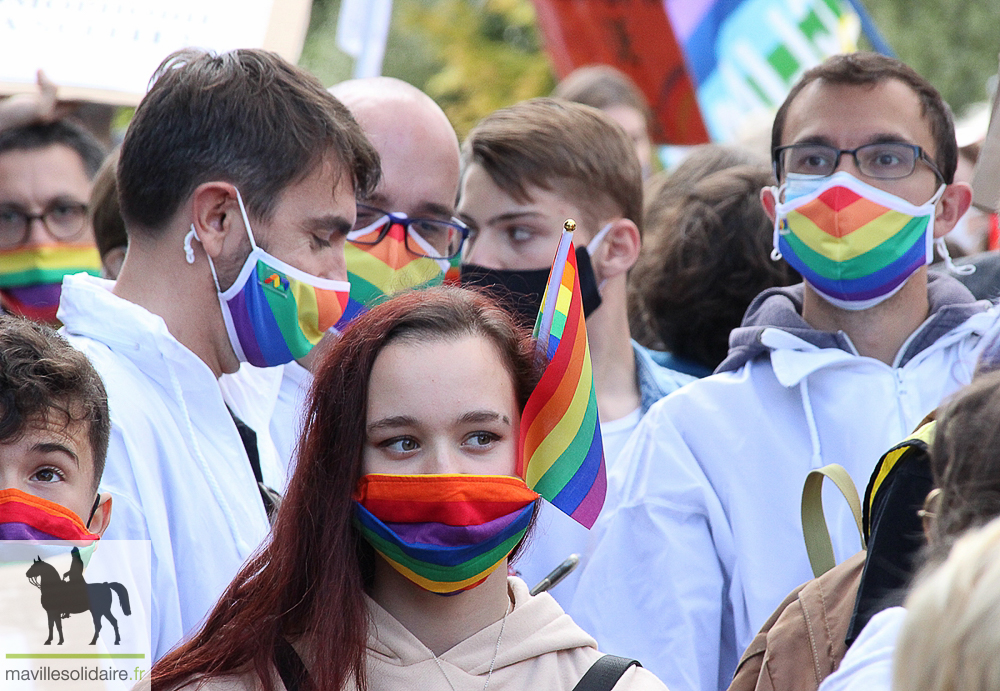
636,37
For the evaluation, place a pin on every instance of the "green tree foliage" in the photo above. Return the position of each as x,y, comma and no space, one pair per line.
471,56
953,43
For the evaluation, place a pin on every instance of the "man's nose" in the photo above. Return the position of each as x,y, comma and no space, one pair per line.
847,164
482,253
38,233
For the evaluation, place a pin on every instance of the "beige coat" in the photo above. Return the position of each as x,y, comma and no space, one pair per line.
542,648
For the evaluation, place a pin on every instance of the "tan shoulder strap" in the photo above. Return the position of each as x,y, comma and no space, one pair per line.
814,528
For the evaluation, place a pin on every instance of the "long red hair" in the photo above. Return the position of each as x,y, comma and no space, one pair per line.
308,580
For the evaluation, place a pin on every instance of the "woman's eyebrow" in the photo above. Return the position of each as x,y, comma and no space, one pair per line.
477,416
392,422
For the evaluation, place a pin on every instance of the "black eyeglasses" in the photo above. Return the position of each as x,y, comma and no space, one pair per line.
63,220
424,237
883,160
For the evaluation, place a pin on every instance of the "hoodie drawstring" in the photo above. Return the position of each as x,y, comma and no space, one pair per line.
817,456
217,492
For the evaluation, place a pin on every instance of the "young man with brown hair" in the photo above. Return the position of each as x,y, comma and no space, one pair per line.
527,169
237,180
707,538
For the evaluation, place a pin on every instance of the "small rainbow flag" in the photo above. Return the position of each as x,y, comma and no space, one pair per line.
444,532
27,517
560,454
873,251
386,268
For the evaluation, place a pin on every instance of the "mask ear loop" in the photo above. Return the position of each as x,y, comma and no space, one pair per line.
97,502
961,270
595,242
775,252
189,254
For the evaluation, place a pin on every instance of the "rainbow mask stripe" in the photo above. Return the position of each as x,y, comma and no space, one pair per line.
273,302
445,533
561,455
378,271
852,248
25,266
26,517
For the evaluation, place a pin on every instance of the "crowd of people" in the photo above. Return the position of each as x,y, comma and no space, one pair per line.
295,348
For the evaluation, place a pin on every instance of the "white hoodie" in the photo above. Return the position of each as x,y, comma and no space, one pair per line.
176,467
706,539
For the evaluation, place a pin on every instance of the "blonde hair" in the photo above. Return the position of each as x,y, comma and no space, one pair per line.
950,639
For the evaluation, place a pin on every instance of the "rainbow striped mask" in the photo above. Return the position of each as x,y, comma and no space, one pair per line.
24,516
378,271
446,533
31,277
274,312
855,244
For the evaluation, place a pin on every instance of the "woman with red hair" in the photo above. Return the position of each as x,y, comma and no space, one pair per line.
387,566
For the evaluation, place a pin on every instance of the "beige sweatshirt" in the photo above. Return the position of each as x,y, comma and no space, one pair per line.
542,648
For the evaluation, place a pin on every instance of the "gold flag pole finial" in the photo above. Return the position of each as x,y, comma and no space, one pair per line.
569,225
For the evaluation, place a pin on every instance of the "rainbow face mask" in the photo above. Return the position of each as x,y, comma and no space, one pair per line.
31,277
274,312
446,533
378,271
24,516
855,244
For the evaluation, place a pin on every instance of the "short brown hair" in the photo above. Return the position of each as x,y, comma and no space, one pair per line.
708,258
105,212
248,117
601,87
554,144
870,69
42,375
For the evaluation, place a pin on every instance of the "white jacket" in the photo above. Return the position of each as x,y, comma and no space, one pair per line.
707,539
176,466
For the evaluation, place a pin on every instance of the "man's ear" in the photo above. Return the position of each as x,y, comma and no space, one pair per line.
102,514
215,214
954,202
619,250
768,201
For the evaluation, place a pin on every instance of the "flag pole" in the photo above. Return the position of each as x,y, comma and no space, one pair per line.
552,289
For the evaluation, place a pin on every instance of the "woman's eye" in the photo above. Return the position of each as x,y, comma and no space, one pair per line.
482,438
47,475
400,445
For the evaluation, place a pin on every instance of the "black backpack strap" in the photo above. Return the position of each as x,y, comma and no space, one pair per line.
605,673
289,665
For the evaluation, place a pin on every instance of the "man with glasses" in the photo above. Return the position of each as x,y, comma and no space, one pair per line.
707,538
46,171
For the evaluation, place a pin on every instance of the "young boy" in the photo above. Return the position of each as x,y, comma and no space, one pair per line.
528,168
54,428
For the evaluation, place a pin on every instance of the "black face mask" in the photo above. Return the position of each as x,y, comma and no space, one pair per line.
521,291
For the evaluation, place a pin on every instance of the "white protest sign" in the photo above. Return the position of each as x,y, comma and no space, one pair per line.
106,50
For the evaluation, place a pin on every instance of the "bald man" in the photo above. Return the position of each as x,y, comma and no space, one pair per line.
406,223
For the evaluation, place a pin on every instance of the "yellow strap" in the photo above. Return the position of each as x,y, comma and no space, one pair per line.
814,529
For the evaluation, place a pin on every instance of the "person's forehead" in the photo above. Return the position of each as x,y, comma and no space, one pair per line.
482,197
850,115
59,427
54,169
419,154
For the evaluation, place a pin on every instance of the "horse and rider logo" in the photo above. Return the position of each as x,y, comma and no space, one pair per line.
61,598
